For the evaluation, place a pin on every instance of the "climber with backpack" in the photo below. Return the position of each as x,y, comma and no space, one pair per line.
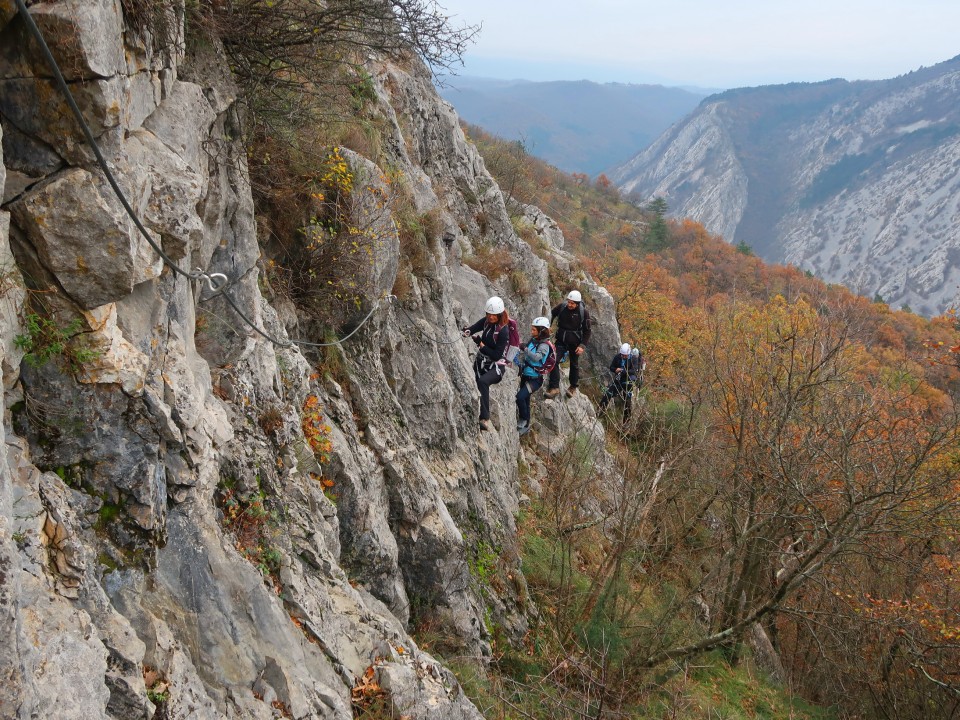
627,367
537,359
573,333
491,334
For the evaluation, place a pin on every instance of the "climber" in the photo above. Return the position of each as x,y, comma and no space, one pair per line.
536,360
627,366
573,333
491,334
640,363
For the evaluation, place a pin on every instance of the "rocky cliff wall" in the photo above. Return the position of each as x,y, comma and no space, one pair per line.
695,166
169,537
856,182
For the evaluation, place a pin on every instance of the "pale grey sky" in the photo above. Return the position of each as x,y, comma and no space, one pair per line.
707,43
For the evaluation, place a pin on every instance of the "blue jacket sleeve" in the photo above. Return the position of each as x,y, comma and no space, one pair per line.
536,357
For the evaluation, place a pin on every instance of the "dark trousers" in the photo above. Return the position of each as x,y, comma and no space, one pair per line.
528,386
484,380
621,387
574,366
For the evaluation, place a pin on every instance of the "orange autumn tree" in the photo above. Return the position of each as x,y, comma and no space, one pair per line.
812,450
881,629
647,311
893,637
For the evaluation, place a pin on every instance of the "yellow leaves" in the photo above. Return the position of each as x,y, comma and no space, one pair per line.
315,430
366,691
648,311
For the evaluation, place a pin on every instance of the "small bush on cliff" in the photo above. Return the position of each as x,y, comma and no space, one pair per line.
278,50
417,233
324,265
254,527
44,339
315,429
494,262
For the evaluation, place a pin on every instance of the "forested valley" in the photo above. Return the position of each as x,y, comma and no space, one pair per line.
793,468
243,473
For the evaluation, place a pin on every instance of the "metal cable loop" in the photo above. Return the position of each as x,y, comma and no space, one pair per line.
217,283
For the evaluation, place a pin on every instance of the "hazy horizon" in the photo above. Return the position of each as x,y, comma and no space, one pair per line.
690,43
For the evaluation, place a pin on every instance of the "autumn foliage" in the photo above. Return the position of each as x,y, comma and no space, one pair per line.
831,434
795,466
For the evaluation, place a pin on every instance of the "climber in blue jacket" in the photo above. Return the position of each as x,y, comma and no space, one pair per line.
536,360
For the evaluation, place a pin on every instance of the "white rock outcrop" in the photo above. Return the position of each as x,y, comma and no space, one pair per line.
855,182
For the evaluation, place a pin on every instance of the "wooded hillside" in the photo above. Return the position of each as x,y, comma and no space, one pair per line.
794,468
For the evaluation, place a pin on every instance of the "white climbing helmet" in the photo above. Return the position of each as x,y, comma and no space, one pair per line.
541,322
636,352
625,349
575,296
494,306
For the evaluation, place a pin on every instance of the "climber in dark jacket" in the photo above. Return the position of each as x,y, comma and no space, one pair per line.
491,334
626,367
573,333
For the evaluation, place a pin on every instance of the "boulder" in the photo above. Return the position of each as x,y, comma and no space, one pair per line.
85,37
84,238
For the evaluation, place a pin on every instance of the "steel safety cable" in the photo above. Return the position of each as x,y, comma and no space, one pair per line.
88,134
218,283
296,342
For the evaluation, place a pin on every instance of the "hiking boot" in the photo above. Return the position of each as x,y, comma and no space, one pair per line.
571,391
524,428
484,424
553,392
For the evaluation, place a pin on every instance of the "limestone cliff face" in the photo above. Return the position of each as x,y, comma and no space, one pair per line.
695,165
856,182
136,455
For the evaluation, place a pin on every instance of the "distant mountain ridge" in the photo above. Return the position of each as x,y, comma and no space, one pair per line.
578,126
858,182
